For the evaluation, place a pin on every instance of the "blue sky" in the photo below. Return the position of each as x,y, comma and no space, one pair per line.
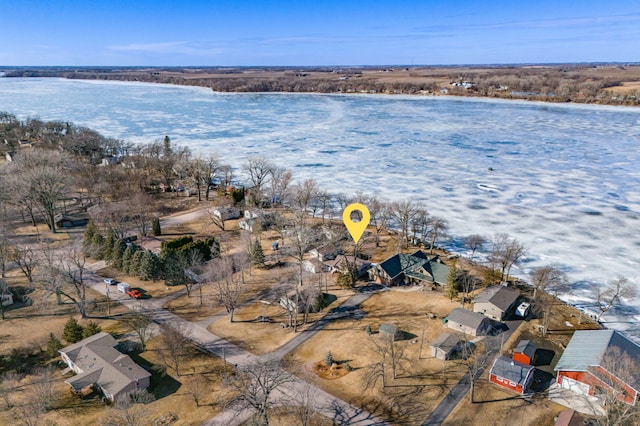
321,32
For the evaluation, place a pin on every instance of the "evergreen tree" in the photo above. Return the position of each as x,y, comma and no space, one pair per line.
149,266
134,266
87,241
107,247
72,331
117,253
91,329
126,258
257,254
53,346
345,280
155,227
97,247
452,283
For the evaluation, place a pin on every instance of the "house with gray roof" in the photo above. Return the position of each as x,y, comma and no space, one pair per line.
467,322
96,362
447,346
416,268
598,361
511,374
495,301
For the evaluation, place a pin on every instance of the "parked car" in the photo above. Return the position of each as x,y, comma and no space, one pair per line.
110,281
523,309
134,293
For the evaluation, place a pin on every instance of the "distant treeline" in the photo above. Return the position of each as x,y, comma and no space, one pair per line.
552,84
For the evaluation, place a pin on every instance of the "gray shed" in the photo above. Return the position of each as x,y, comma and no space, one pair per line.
467,322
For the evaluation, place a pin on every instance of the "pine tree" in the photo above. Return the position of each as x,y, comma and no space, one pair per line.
257,254
117,253
452,283
155,227
91,328
72,331
134,266
149,266
345,280
126,258
109,242
97,247
53,346
89,233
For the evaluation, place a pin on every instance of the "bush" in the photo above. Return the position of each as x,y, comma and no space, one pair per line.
53,346
155,227
72,331
328,359
91,329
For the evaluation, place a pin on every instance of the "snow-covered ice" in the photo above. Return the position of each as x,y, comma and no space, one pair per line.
563,179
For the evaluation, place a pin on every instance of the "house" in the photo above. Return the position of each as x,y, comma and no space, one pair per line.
467,322
251,225
586,367
96,362
326,252
495,301
314,265
525,352
341,262
511,374
569,417
226,213
416,268
447,346
390,330
71,220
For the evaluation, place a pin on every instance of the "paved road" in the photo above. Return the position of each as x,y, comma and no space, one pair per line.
461,388
328,405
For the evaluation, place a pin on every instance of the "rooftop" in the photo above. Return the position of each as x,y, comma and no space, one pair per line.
499,296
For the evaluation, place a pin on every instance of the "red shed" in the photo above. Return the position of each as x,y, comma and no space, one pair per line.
525,352
511,374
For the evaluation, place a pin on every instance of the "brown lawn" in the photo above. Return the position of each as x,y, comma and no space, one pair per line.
421,382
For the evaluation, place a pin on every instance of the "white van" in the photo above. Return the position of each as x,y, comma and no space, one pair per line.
123,287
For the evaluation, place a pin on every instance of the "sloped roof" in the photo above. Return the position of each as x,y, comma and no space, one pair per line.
416,265
511,370
101,363
466,317
526,347
446,341
499,296
587,348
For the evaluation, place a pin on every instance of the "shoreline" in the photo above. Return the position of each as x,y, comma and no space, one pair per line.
579,84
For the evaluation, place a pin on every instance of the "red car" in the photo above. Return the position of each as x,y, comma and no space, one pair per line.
134,293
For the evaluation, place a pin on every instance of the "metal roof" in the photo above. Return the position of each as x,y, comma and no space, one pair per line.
588,347
511,370
446,341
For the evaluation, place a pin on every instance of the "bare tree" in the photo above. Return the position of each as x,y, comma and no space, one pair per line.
197,387
174,345
420,224
437,227
257,386
402,213
74,288
9,381
128,410
140,324
44,177
305,408
618,371
547,278
25,258
228,287
41,389
4,291
612,295
260,170
387,352
505,252
474,242
380,216
280,182
476,358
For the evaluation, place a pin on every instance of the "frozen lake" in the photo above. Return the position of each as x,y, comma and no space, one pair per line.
563,179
